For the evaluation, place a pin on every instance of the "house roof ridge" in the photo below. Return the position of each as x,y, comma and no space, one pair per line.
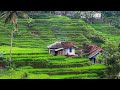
62,44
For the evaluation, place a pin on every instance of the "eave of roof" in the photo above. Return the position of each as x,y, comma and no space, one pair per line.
94,53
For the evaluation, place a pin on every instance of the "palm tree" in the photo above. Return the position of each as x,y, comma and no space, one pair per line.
11,16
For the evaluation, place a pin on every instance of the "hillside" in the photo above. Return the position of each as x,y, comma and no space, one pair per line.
30,48
111,32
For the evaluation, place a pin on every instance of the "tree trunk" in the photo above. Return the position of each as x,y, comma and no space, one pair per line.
11,42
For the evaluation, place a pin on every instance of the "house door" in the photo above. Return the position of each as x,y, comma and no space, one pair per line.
94,60
56,53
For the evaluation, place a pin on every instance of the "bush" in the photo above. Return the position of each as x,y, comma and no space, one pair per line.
24,76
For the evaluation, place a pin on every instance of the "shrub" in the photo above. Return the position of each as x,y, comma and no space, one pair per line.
24,76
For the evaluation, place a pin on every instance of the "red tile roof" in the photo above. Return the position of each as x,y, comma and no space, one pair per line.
93,50
62,45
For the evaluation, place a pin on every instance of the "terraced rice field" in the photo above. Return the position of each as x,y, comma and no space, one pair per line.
109,31
30,54
86,72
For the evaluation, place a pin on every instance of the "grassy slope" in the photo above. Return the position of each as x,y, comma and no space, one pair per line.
109,31
93,72
27,47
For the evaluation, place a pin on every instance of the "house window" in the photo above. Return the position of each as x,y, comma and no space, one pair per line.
70,49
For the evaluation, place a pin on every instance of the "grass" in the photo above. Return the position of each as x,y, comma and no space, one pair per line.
21,50
75,76
92,67
70,61
11,74
108,31
28,72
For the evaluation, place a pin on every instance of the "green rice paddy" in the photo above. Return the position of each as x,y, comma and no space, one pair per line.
30,53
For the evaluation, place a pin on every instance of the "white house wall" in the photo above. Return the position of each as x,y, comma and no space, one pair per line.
97,15
67,52
90,14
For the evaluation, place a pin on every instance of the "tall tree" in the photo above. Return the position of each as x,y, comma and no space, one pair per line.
11,17
112,57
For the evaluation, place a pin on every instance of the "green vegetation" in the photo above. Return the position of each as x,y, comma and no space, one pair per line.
28,72
30,54
109,31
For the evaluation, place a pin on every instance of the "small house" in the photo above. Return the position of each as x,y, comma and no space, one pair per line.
91,14
97,15
62,48
92,52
